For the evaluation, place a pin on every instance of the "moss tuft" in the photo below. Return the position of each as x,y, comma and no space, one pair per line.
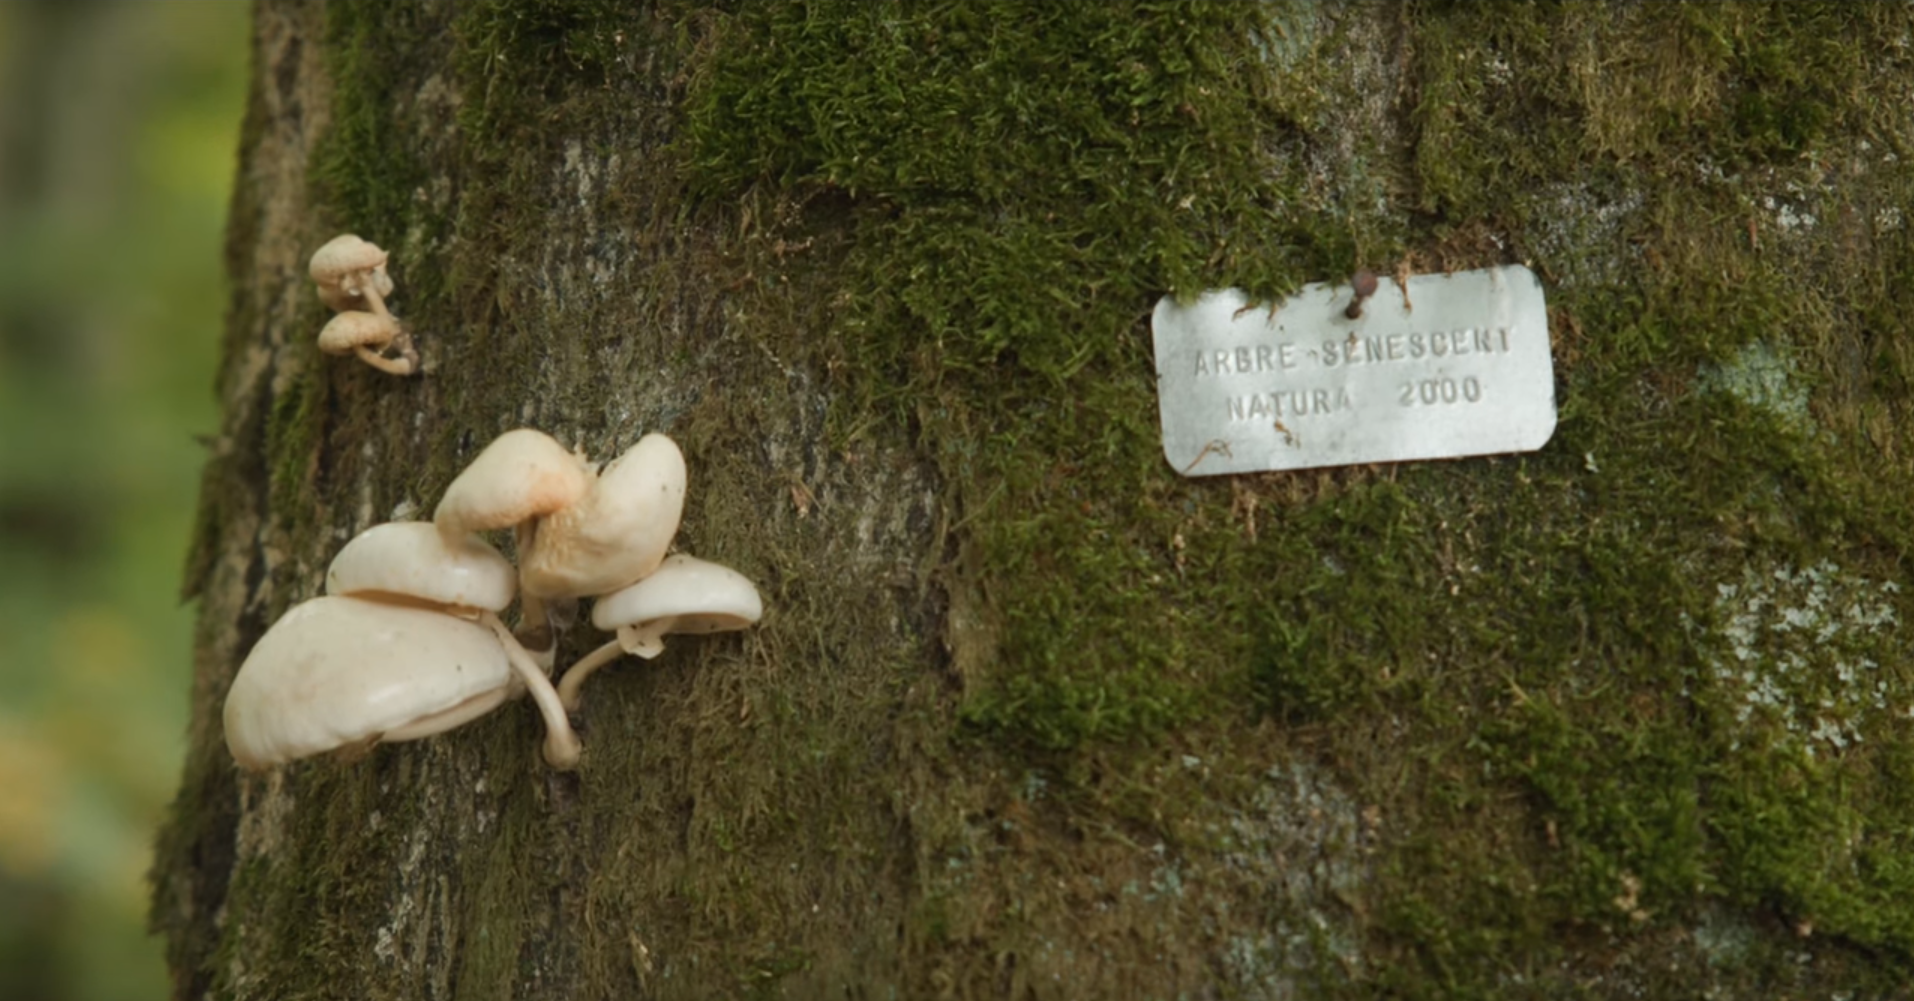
364,168
294,429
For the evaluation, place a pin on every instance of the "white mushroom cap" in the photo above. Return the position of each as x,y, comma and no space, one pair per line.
618,533
368,335
413,560
354,329
685,595
344,267
342,256
337,671
523,474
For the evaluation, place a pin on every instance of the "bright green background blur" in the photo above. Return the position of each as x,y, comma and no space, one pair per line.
118,129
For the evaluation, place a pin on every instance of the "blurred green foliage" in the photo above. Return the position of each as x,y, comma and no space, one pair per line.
118,126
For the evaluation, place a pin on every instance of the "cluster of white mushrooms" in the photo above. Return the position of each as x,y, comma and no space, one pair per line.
407,642
351,276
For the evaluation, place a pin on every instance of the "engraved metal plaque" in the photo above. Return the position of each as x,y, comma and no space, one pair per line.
1452,365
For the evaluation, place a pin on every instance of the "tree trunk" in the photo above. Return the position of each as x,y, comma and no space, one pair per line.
1029,713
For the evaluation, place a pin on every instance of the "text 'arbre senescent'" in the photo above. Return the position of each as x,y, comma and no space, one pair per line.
1247,359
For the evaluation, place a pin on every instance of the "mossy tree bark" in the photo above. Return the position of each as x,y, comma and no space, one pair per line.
1030,715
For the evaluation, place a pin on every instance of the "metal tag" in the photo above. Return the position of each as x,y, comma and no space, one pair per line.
1451,365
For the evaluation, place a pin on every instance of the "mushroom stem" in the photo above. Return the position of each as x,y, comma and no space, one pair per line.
534,619
402,365
368,289
561,742
575,676
408,360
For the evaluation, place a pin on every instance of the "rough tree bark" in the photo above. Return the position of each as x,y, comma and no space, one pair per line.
1030,715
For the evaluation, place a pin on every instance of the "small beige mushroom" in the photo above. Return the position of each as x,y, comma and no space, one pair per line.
414,563
685,595
521,477
368,335
350,273
337,671
352,279
617,534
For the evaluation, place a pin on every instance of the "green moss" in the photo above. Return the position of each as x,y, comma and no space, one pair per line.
1012,208
294,432
1512,92
534,53
364,166
1540,636
1335,634
1060,711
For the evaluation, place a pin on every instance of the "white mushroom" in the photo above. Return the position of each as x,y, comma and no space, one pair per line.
352,279
338,671
685,595
617,534
367,335
350,273
522,476
414,563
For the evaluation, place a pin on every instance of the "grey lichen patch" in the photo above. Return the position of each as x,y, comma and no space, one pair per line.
1578,231
1762,376
1290,33
1790,211
1725,937
1301,852
1800,660
1350,126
